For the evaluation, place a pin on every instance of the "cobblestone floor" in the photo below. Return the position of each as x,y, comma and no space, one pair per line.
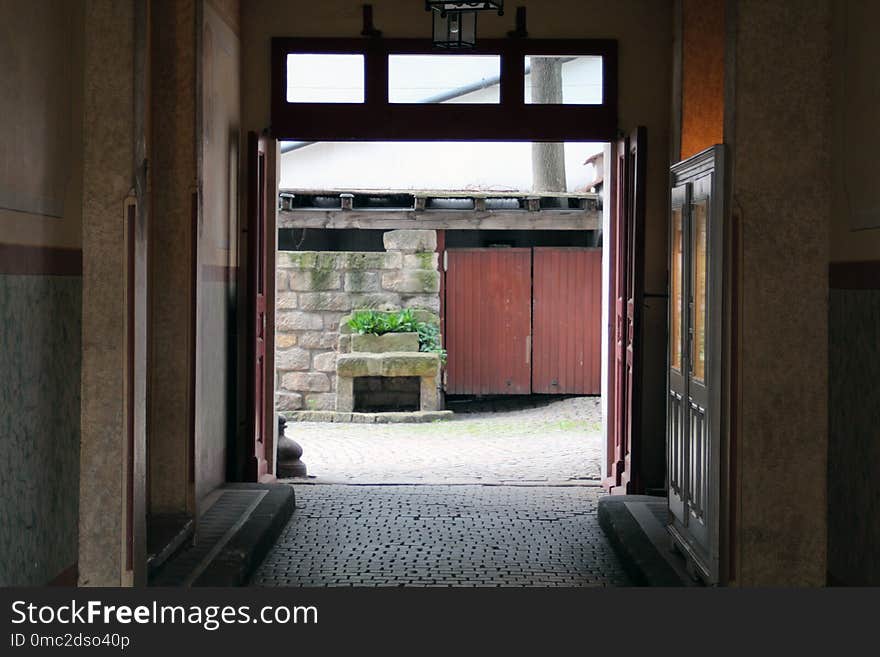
442,536
553,443
535,526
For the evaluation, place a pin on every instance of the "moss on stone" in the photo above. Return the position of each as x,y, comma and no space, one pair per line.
354,260
297,259
428,281
426,260
356,281
321,275
426,316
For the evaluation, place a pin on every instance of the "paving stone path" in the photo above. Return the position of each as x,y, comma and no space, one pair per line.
523,512
463,536
552,443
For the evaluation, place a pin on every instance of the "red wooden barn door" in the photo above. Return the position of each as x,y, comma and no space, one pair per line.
628,281
257,283
488,321
567,321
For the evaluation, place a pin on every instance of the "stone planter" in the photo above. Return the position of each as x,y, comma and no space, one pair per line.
385,343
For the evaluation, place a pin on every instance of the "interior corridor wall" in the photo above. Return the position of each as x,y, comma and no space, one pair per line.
41,91
778,132
194,270
218,227
170,407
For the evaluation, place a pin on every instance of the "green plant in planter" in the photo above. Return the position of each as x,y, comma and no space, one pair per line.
429,340
378,323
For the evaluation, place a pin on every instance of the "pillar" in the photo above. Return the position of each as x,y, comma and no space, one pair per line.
777,126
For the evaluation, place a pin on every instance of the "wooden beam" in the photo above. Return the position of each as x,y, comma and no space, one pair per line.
443,219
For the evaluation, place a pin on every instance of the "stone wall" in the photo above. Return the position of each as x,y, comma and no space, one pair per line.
315,290
40,356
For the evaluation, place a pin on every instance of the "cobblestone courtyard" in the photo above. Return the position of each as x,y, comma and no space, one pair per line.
558,442
442,536
535,525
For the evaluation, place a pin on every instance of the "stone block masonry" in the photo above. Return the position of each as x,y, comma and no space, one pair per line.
315,290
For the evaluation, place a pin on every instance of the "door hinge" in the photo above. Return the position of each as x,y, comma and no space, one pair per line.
445,261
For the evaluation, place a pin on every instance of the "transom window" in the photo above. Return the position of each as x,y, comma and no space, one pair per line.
403,90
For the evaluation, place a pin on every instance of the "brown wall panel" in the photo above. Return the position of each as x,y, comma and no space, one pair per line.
702,102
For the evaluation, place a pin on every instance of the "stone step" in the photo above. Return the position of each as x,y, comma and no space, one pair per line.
415,417
393,363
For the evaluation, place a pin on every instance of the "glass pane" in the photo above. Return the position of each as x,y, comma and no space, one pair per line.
575,168
444,79
676,291
325,78
700,214
564,80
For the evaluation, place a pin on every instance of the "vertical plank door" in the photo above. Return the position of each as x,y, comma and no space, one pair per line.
488,321
567,321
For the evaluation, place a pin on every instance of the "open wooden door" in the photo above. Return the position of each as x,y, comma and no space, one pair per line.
258,367
628,276
695,321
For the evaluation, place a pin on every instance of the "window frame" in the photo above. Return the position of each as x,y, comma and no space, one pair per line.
376,119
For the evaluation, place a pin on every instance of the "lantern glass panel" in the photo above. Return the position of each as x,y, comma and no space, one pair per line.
455,30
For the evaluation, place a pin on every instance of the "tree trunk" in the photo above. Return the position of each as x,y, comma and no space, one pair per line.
548,158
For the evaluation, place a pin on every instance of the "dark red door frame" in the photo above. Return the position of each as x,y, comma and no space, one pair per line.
609,477
630,479
509,120
130,292
441,266
619,263
256,463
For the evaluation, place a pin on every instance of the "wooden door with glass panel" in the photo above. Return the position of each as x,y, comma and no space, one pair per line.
694,376
678,294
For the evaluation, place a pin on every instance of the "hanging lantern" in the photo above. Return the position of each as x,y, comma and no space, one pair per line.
455,23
